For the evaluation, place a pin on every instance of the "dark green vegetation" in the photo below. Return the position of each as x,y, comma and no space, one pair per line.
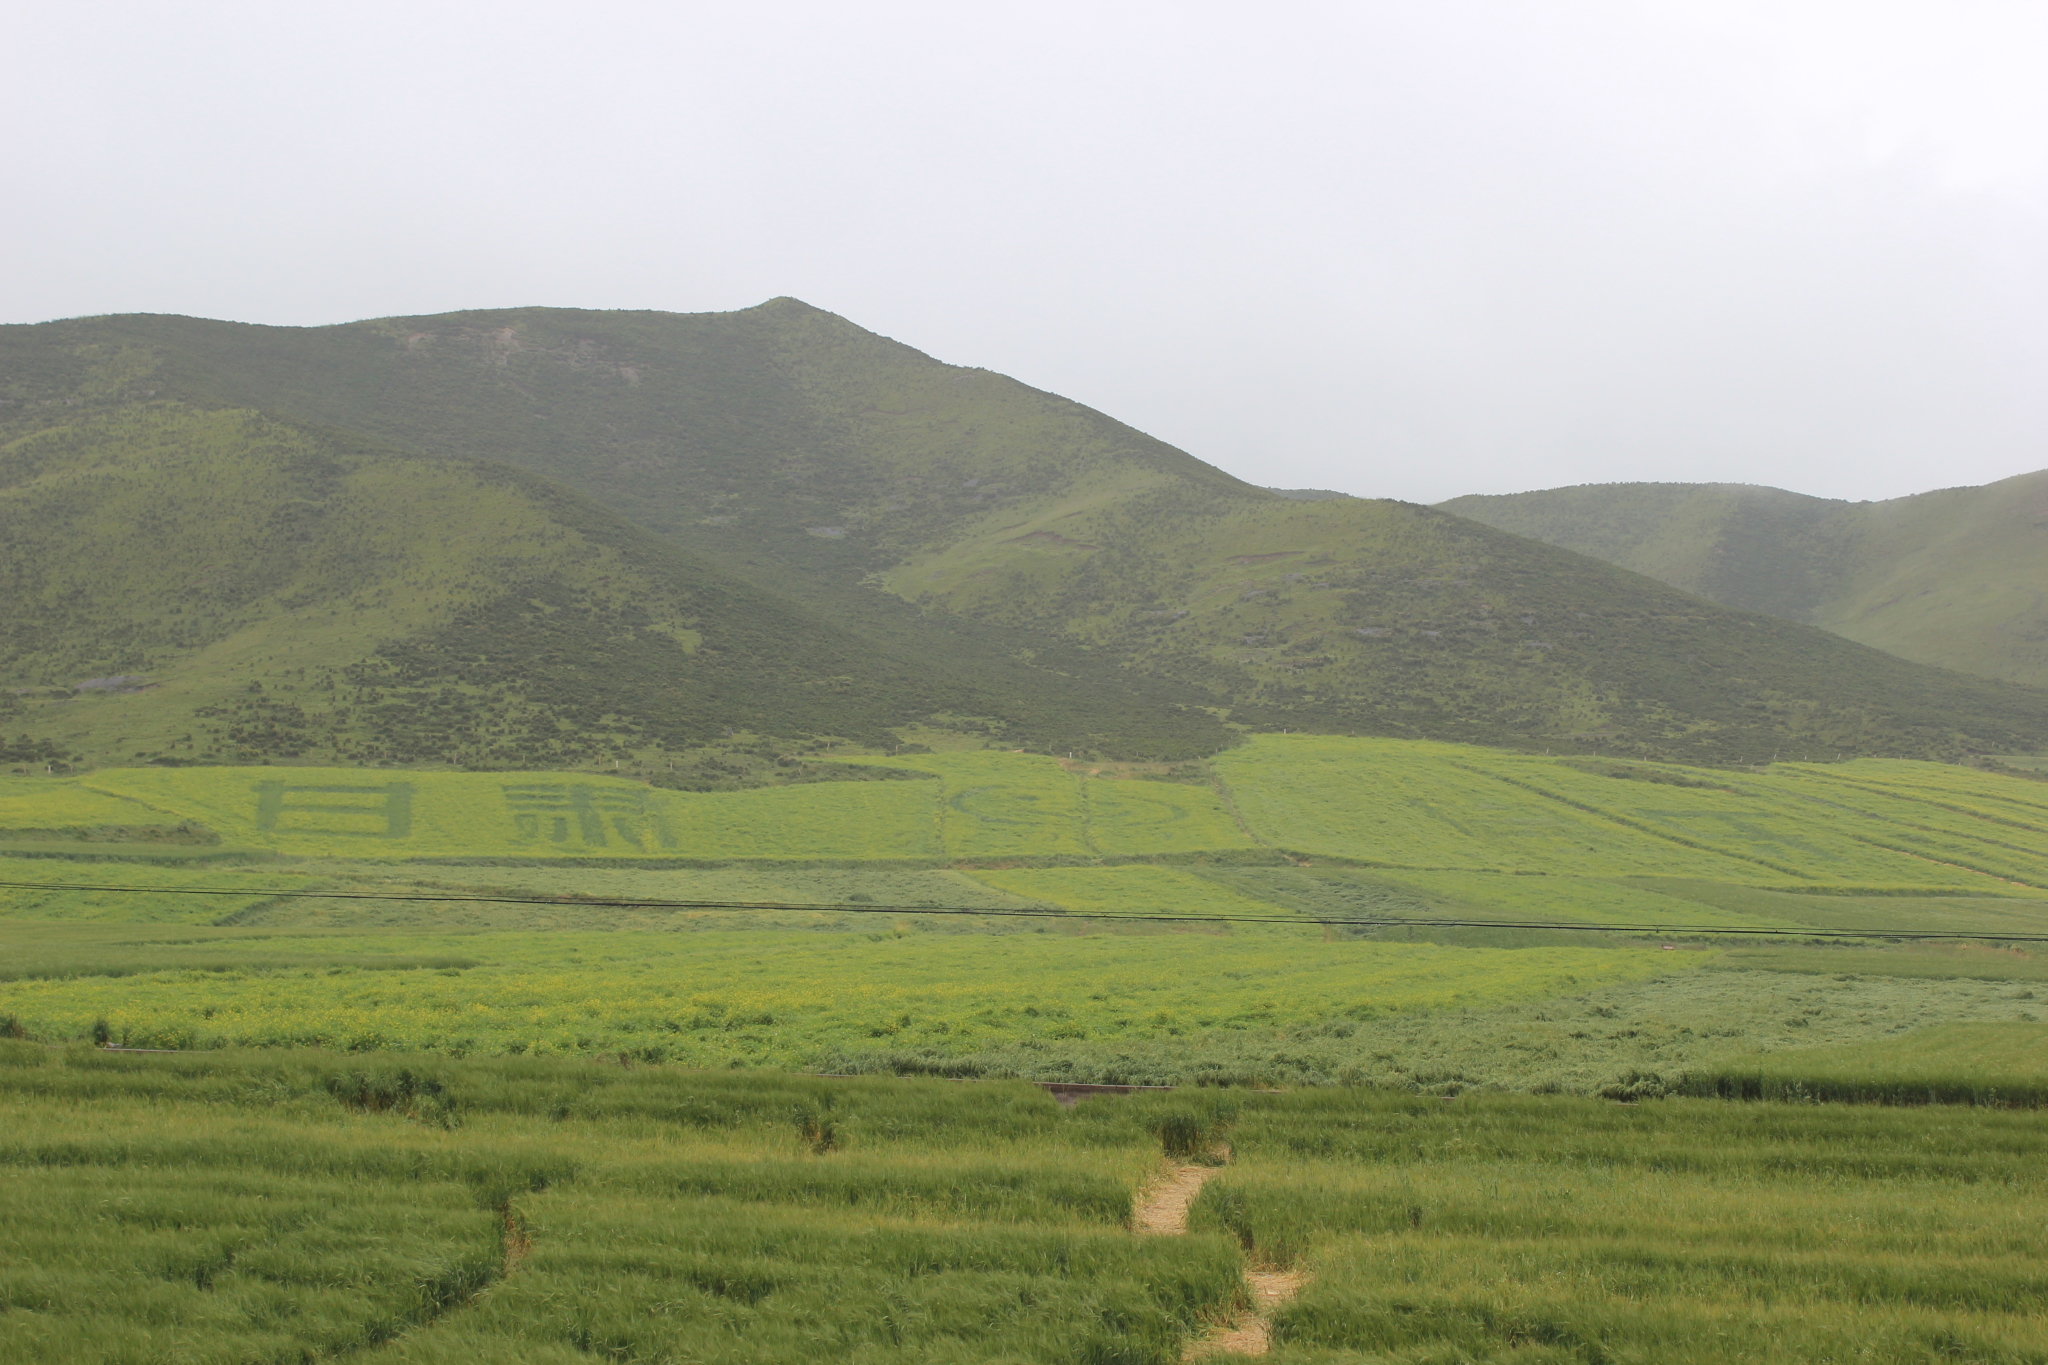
297,1206
282,538
1950,577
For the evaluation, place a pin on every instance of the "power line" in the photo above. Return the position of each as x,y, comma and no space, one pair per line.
1368,922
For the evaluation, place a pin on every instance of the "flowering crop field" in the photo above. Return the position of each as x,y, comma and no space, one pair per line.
40,891
801,1000
1020,805
60,804
1133,889
978,805
1394,804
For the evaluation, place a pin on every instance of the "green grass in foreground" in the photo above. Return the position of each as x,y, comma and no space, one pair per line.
290,1206
247,1206
1989,1064
1522,1229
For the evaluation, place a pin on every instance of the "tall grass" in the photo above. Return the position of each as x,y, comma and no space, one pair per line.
230,1262
2003,1065
254,1207
266,1207
1567,1230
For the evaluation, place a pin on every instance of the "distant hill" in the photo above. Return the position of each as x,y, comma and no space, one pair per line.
864,538
1957,577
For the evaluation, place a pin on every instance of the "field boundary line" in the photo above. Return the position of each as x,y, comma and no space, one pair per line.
2005,877
1374,922
2033,807
1948,834
1900,795
1626,823
1229,800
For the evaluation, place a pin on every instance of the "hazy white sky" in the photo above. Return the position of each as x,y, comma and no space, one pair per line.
1401,249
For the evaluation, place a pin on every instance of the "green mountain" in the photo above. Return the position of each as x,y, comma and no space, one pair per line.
200,585
1953,577
821,532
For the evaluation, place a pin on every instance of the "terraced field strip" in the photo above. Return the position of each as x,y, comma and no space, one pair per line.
1630,824
1917,816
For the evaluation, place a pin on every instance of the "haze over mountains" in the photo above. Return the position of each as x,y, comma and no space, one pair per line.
549,536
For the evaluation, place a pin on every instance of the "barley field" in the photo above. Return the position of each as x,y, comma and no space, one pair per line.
1530,1228
281,1204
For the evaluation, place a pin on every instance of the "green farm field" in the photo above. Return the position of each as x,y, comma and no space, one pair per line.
511,1067
1408,805
300,1205
1300,909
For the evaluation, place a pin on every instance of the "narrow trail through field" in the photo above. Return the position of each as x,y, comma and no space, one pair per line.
1161,1210
1162,1206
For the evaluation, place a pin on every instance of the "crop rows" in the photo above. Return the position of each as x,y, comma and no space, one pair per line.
1677,1231
649,1213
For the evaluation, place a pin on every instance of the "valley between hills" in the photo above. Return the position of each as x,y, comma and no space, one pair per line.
538,835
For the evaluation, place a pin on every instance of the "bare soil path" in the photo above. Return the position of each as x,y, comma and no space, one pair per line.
1161,1210
1162,1206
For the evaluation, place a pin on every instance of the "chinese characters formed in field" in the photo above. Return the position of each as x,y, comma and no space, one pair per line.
380,812
584,813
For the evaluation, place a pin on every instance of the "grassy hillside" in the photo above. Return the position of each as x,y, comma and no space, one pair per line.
197,585
1381,618
1950,577
1024,537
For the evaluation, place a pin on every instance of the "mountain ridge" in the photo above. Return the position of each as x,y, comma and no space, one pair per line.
940,517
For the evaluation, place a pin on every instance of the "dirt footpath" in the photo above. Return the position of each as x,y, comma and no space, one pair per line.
1161,1210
